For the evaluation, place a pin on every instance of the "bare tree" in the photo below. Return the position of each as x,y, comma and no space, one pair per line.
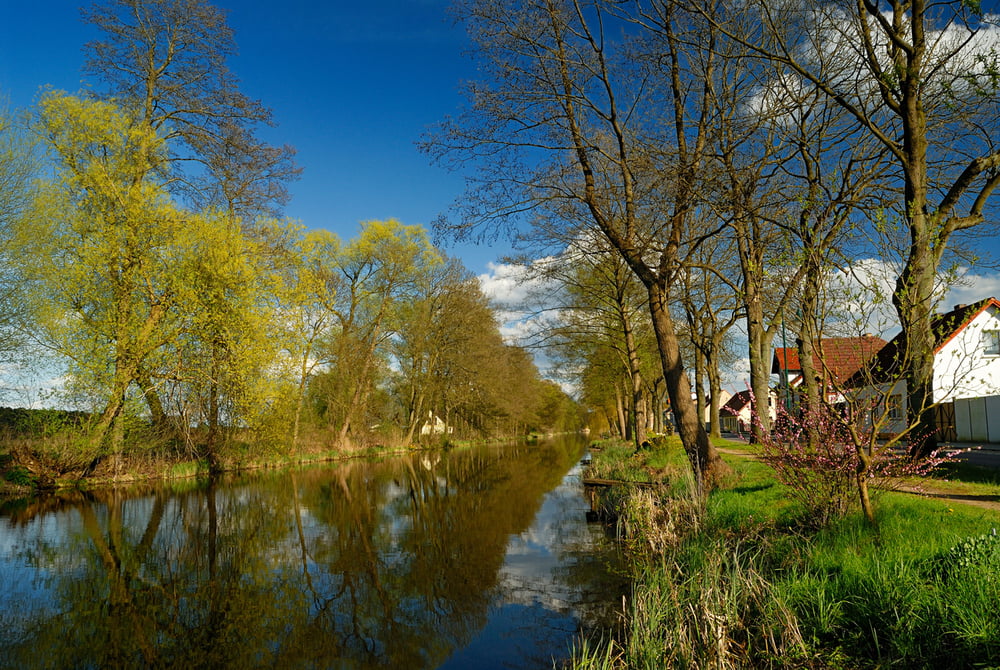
603,306
921,80
711,306
602,108
165,60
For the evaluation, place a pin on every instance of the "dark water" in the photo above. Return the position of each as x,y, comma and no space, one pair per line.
471,559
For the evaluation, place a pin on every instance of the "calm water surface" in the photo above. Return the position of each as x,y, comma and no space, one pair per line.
471,559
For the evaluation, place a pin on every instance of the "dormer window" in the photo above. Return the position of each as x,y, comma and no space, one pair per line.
991,342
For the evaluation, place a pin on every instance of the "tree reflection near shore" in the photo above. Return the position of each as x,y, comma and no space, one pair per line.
416,562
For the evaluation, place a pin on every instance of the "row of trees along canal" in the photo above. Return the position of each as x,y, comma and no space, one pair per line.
730,160
145,256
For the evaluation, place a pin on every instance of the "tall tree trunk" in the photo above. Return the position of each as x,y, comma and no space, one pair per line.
105,437
636,378
657,410
760,358
620,407
629,413
157,415
814,381
300,395
758,335
214,409
914,302
715,393
356,397
708,466
699,382
913,297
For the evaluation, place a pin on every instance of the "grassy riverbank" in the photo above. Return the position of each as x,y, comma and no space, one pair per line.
749,582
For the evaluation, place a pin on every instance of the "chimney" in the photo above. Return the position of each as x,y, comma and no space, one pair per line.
960,305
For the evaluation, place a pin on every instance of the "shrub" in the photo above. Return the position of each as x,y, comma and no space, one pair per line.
818,456
20,476
978,552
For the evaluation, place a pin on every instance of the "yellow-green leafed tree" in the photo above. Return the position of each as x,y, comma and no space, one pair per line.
18,167
379,272
312,284
98,252
222,368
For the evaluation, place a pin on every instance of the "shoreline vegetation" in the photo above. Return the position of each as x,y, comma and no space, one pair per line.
748,578
41,452
15,481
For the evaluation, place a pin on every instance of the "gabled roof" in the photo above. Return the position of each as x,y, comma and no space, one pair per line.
841,356
736,403
945,327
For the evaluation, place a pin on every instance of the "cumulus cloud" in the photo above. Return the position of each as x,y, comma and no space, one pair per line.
863,294
522,296
513,283
960,64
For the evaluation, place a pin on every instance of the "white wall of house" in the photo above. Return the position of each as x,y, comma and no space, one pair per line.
969,365
740,422
724,397
435,426
732,423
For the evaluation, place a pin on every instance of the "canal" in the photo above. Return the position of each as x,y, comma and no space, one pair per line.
473,558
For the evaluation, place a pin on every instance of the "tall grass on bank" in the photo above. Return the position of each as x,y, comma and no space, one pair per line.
751,582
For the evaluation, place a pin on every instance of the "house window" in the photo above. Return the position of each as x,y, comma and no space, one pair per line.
991,342
894,407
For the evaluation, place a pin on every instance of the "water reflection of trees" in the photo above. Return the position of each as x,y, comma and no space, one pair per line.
365,565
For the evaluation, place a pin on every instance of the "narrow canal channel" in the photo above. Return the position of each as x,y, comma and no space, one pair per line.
474,558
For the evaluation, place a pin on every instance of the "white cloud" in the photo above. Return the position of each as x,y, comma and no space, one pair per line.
865,294
957,67
520,294
510,284
974,287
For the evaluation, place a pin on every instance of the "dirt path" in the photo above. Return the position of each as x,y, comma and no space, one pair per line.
928,490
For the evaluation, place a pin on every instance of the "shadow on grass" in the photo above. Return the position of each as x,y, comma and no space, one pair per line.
964,497
969,473
752,489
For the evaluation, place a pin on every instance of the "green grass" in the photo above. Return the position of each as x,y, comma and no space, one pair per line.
617,460
188,469
748,582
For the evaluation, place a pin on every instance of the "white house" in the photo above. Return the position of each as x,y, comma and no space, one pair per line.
724,397
435,426
966,367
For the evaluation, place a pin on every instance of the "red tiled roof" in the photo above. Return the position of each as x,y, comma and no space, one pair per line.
841,356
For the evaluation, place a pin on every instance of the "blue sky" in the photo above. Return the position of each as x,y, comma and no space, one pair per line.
352,85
